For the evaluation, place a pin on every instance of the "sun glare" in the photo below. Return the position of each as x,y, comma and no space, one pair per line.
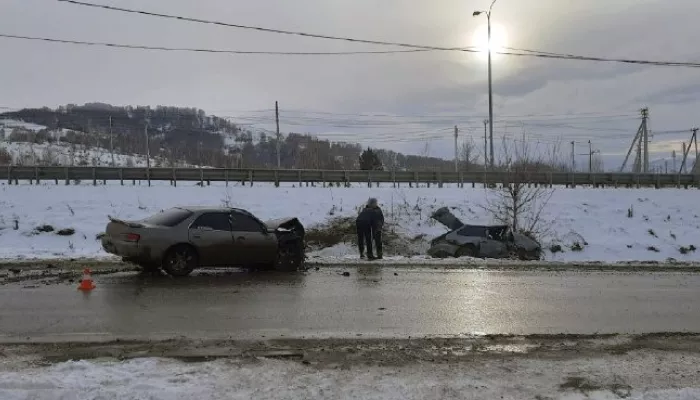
499,40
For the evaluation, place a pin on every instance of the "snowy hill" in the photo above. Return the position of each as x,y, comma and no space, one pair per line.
63,154
54,149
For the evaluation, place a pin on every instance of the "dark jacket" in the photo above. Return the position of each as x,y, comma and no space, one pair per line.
371,216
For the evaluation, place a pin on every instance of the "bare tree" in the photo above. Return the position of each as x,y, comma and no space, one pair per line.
468,154
519,203
597,165
49,156
5,157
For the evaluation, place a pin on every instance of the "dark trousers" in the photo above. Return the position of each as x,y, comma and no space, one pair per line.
377,236
364,237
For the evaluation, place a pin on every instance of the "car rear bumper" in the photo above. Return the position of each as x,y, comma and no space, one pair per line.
128,251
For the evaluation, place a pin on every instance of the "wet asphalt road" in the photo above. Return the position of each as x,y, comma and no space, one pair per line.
371,302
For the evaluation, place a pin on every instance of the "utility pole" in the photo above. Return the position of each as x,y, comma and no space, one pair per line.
686,151
111,141
148,152
590,156
148,146
683,169
673,156
199,143
277,120
695,140
486,154
639,137
645,133
456,151
573,156
488,19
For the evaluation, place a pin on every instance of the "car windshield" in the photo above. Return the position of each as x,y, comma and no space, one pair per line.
169,217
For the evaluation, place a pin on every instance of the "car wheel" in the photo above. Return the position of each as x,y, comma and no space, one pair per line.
467,251
289,259
441,254
180,261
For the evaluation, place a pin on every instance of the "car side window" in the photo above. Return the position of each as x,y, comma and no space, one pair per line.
472,231
214,221
244,223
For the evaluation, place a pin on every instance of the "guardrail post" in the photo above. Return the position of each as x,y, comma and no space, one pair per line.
323,178
121,176
393,177
369,179
94,176
36,175
439,176
250,177
346,179
175,177
299,176
148,175
67,176
226,176
9,174
201,177
573,180
461,180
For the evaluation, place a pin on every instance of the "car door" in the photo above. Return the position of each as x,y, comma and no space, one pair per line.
211,234
252,243
491,247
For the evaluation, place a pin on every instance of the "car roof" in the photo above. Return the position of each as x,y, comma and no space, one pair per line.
212,209
484,226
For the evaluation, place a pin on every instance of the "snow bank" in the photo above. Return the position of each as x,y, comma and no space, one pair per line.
268,379
664,220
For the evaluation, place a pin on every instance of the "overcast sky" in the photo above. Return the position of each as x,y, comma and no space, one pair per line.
406,102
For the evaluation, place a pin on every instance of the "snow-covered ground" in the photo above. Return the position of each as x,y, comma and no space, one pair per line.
663,221
642,376
24,153
9,124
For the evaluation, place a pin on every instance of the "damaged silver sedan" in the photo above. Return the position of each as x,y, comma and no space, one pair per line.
480,241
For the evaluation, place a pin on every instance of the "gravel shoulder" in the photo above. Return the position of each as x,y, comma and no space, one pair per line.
112,264
663,366
359,351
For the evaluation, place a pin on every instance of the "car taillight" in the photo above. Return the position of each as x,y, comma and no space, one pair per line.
132,237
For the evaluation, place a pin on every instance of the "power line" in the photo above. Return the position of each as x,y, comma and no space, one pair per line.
198,50
523,52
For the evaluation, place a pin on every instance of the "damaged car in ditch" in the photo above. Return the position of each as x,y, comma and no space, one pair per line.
480,241
181,239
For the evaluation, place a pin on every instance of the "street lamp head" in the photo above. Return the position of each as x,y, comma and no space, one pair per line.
476,13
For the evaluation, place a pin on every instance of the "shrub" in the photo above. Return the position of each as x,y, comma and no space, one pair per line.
556,248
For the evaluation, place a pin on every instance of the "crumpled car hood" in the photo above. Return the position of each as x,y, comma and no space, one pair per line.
288,223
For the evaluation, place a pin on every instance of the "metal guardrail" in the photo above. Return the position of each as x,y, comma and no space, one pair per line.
37,174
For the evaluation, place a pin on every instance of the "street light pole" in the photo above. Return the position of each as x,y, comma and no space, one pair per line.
490,93
488,21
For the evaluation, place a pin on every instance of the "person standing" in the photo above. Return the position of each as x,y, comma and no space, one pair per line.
369,224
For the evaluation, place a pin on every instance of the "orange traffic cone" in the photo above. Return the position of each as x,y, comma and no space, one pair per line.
86,284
